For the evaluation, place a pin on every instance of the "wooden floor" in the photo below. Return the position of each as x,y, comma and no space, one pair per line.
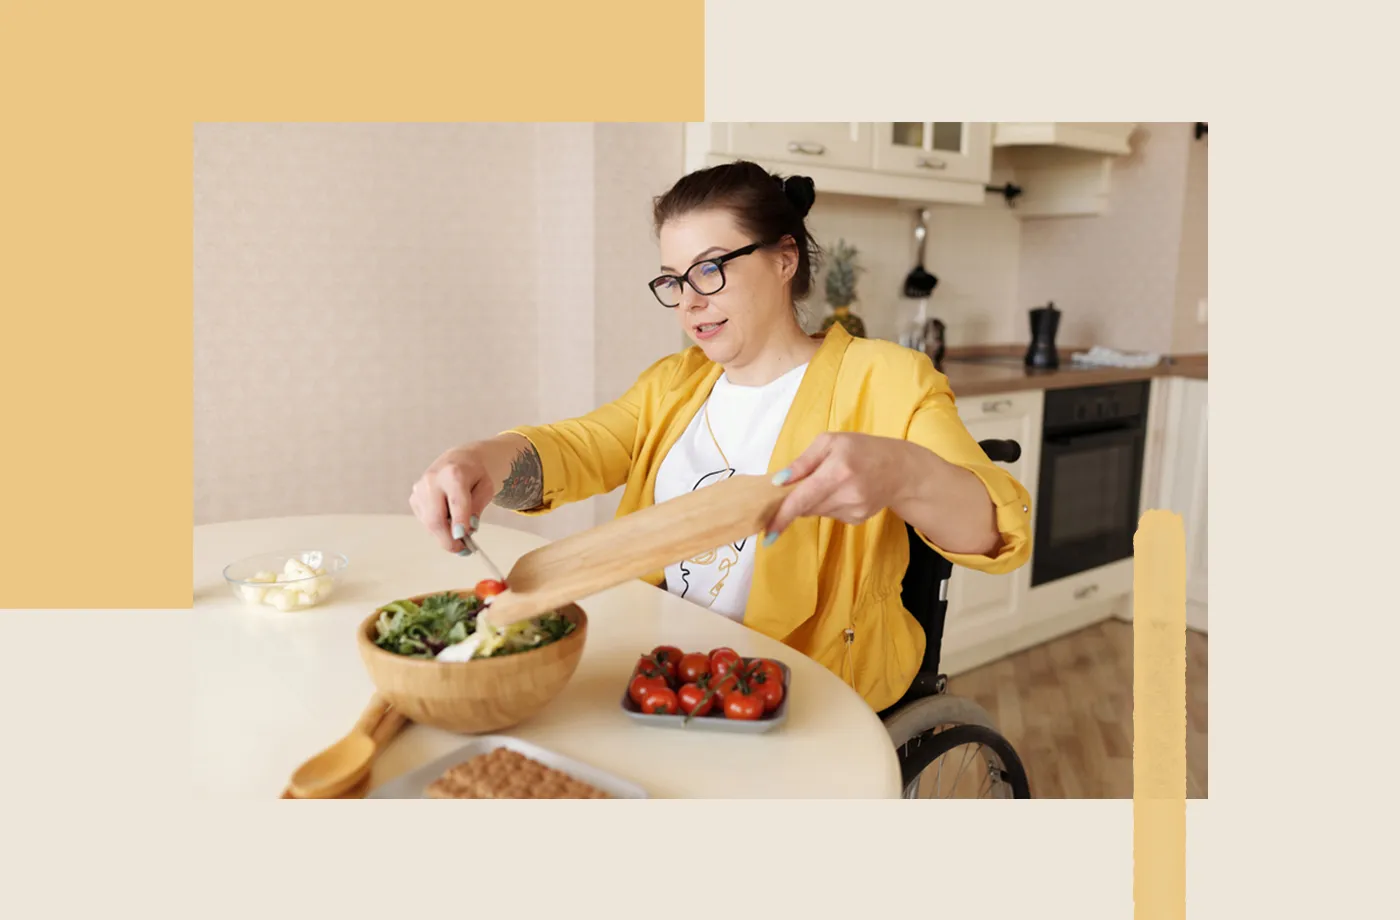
1067,708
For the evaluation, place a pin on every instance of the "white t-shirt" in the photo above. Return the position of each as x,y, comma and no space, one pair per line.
746,422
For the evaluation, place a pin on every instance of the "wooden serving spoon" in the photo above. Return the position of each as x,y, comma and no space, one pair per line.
629,547
344,767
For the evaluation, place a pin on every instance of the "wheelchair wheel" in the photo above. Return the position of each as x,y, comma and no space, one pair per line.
961,761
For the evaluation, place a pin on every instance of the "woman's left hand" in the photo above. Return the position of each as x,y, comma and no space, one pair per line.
846,476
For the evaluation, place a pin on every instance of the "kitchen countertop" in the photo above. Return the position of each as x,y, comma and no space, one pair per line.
999,369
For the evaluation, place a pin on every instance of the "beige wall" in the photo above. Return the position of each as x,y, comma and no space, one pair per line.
974,252
1115,276
634,163
368,295
1189,333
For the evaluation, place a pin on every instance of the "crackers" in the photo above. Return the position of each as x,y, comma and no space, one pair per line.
506,774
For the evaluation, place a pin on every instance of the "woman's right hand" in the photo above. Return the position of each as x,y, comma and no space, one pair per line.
451,495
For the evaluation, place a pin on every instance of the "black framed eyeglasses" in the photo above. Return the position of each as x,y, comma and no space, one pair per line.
704,277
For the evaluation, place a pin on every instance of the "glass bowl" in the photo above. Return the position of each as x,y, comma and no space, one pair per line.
292,580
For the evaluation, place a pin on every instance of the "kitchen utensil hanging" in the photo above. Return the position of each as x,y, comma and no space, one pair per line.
920,282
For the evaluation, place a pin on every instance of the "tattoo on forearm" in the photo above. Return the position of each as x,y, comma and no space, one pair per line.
523,489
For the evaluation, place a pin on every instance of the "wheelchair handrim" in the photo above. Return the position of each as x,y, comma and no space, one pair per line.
968,761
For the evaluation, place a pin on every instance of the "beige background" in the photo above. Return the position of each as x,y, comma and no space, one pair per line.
368,295
1069,858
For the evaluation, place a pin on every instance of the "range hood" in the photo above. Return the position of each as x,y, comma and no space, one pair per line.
1064,167
1108,137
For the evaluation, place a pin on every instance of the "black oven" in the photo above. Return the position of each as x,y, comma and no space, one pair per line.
1090,478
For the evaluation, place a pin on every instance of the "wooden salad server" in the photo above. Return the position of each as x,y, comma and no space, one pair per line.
630,547
342,770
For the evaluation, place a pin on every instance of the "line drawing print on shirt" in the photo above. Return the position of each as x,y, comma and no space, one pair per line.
720,579
708,557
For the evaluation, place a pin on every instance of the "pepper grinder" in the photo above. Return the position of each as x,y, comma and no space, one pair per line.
1045,321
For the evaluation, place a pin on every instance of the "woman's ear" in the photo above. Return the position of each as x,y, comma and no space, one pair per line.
786,253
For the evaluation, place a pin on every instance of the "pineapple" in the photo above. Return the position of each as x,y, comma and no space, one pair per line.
841,289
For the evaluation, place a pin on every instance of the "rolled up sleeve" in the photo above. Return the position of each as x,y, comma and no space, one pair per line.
937,426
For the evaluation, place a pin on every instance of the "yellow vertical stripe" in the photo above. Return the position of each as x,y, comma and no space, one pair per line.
1159,718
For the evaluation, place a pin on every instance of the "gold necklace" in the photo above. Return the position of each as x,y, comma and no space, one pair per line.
713,438
708,557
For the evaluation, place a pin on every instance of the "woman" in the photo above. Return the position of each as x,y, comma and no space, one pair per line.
867,431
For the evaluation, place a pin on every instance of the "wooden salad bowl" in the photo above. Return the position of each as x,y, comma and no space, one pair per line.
474,697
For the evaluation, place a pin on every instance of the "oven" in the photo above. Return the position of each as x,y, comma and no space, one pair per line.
1090,478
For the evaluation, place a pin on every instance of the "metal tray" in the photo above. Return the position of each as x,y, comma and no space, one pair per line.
412,785
715,722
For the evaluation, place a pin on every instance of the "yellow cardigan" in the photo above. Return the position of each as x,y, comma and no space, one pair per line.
821,577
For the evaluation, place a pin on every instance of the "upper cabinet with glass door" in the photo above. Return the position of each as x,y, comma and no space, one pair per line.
959,151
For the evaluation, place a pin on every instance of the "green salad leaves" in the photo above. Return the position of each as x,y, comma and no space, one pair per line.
421,631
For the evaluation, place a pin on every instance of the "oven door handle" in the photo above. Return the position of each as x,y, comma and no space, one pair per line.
1111,435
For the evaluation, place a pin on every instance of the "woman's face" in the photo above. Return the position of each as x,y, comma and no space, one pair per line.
731,325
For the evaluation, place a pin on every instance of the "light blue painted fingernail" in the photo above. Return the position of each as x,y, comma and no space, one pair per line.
770,537
781,477
474,522
465,552
458,531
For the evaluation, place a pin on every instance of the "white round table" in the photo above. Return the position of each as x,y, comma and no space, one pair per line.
273,688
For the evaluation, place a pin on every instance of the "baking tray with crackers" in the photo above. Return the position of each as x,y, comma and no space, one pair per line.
715,720
501,767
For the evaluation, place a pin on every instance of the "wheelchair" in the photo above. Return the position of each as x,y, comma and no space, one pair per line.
929,726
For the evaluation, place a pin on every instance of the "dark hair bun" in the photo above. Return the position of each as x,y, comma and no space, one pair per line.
764,205
801,191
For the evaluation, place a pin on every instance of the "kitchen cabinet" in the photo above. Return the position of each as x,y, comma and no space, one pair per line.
1062,168
843,144
985,608
956,150
1065,168
1109,137
992,616
1075,601
1181,480
919,162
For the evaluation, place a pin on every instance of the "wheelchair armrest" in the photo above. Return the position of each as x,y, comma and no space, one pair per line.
1000,451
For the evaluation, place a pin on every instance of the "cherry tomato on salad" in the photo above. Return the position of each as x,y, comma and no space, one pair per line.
743,706
662,702
489,588
643,685
694,700
692,667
